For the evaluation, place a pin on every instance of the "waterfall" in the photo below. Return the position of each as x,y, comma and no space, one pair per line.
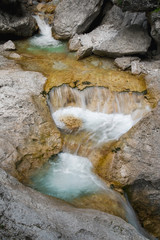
44,38
88,119
103,115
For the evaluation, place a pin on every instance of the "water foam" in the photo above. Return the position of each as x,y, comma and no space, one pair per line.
101,127
44,39
67,177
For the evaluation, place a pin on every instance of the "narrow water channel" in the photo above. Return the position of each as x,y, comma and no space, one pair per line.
90,112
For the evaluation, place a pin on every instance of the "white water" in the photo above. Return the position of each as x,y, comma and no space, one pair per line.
44,39
68,177
103,115
101,127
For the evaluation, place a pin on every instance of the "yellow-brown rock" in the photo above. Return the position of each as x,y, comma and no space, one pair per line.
46,8
71,122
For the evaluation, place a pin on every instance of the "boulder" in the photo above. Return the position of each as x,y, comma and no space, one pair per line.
27,214
136,5
75,16
118,35
133,162
15,20
9,46
15,56
125,62
135,67
147,67
154,19
27,129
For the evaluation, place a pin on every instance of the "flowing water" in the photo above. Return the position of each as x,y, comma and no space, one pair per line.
44,38
89,121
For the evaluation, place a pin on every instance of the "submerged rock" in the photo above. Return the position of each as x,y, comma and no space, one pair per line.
27,214
119,34
74,16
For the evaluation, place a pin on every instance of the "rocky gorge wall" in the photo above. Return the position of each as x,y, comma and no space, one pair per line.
27,139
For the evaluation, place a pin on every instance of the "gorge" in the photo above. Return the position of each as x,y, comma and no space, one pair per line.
84,133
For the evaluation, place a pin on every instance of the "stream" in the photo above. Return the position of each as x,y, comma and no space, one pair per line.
90,113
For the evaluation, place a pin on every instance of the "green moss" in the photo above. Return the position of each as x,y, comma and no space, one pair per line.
120,2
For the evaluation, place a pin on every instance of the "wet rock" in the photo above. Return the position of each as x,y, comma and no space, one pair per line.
118,35
136,5
9,46
84,52
27,214
71,122
15,20
46,8
25,121
134,162
74,16
125,62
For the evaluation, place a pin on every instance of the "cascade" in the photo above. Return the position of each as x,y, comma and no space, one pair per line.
88,120
44,38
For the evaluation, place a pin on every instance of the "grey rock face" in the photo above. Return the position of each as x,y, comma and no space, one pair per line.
27,131
128,41
27,214
119,34
15,21
136,5
146,67
136,163
75,16
125,62
154,19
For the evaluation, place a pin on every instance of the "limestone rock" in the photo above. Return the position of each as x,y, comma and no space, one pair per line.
27,214
146,67
9,46
84,52
71,122
74,16
14,56
118,35
25,121
128,41
125,62
46,8
136,5
154,19
6,63
134,162
15,20
135,68
74,43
